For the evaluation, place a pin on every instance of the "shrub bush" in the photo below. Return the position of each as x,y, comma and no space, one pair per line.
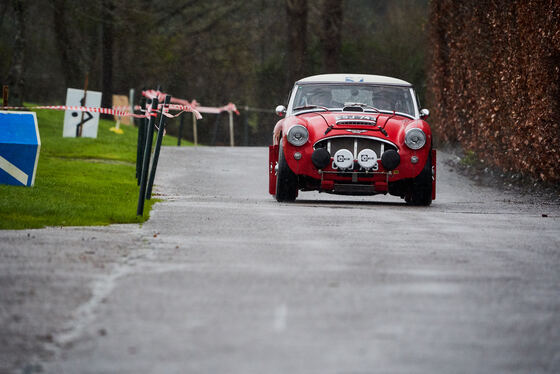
494,81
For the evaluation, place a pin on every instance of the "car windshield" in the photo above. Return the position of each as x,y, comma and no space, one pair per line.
387,98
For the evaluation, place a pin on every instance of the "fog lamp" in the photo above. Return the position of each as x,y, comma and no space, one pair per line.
367,158
343,159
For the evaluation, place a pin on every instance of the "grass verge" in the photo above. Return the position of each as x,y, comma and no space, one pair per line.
79,181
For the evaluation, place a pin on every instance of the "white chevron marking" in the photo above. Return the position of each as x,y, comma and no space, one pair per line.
13,170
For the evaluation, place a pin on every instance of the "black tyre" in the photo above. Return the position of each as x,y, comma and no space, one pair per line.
420,192
286,179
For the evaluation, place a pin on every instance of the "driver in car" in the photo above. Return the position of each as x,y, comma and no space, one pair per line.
320,96
383,99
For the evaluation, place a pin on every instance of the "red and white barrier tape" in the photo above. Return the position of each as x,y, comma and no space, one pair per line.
181,108
117,111
152,94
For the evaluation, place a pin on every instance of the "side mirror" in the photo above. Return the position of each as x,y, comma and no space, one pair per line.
280,110
424,113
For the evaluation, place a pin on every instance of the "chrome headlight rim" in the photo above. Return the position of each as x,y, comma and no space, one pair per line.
415,138
297,135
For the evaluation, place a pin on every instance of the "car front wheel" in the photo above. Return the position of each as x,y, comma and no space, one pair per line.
286,182
420,192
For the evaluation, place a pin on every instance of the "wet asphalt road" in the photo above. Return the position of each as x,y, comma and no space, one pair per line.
222,279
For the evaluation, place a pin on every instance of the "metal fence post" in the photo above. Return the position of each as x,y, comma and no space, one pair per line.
180,130
246,127
140,142
159,139
80,126
146,158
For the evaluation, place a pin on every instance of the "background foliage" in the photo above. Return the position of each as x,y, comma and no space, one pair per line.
494,81
493,68
216,52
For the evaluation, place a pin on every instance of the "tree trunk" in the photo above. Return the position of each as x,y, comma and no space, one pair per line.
69,58
297,39
331,34
107,54
15,79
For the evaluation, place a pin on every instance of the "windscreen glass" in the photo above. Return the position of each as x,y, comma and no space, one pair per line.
387,98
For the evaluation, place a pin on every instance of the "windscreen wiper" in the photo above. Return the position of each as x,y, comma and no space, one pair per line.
311,107
361,105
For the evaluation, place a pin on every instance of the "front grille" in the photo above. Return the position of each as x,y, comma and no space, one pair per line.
361,123
354,144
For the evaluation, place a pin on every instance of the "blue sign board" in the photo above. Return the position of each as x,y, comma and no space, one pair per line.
19,148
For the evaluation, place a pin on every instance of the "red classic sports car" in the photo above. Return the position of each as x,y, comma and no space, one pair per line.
353,135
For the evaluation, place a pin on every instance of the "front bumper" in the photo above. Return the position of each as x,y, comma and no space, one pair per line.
352,182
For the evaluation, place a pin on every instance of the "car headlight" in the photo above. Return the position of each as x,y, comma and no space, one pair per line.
415,138
298,135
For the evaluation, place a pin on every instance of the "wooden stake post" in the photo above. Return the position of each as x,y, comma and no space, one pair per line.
195,132
231,136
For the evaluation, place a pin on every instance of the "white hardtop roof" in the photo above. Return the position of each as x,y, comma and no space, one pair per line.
354,78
